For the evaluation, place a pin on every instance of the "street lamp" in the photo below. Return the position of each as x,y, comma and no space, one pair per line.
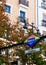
25,25
38,31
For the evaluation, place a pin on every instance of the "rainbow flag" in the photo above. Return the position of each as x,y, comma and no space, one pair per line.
31,40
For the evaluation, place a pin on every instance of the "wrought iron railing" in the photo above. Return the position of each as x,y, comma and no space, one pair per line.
43,5
24,2
43,23
22,19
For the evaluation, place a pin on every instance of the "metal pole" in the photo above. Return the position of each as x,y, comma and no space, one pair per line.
32,27
38,31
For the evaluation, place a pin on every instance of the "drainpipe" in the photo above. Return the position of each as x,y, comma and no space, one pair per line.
37,12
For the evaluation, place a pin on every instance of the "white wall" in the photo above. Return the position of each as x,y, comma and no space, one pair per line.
23,8
40,17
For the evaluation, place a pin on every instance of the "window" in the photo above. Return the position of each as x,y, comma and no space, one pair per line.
44,20
44,16
44,0
7,8
22,16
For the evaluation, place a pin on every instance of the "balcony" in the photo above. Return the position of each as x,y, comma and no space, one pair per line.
24,2
22,19
43,23
43,5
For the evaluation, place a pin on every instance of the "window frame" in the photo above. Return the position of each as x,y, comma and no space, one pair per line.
7,7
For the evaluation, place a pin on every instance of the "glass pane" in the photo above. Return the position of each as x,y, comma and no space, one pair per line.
7,8
22,14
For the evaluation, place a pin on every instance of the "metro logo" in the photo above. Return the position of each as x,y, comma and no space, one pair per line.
31,41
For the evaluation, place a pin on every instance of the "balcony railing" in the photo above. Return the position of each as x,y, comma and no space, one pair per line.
43,23
43,5
24,2
22,19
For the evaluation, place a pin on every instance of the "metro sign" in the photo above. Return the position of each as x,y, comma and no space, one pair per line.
31,41
32,51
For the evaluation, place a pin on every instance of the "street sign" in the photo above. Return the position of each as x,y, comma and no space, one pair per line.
31,41
32,51
45,40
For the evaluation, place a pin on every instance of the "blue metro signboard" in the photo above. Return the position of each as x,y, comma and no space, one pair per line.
31,41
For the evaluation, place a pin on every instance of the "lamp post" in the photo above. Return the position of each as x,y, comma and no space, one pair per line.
38,31
32,26
25,25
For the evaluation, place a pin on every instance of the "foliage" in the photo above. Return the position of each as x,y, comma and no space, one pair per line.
21,53
36,57
16,33
2,61
3,25
30,31
3,19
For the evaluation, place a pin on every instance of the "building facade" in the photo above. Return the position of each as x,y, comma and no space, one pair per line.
20,10
41,16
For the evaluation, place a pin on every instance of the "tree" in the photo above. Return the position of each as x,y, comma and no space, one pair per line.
2,62
36,57
3,18
4,25
20,51
4,28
